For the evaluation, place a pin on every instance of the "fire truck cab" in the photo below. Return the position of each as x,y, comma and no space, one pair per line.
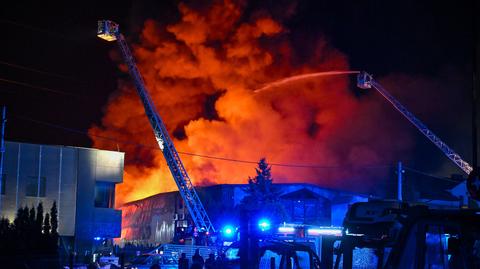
393,234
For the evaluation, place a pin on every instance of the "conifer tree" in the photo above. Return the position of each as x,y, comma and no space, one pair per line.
24,220
261,194
31,233
4,227
39,219
54,218
259,187
31,218
53,240
21,228
17,222
46,225
5,234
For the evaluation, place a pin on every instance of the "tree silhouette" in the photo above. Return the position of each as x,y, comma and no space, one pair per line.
4,228
39,218
30,233
262,196
6,235
31,219
54,223
46,225
259,187
21,229
54,218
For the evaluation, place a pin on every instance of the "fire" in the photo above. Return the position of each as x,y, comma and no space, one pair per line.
202,73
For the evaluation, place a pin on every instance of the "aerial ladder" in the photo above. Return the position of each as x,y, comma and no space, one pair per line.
366,81
109,31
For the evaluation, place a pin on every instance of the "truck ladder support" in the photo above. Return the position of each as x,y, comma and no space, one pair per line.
108,30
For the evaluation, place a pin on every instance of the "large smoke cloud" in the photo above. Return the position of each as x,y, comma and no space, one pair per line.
202,72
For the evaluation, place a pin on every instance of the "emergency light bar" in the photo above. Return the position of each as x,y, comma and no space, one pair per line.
336,231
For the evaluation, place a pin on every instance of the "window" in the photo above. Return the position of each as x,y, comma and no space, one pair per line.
3,178
36,187
104,194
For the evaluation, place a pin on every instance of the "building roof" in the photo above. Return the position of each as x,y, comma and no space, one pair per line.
305,189
61,146
302,194
418,186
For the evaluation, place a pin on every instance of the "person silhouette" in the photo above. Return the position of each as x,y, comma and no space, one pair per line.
183,262
197,258
210,261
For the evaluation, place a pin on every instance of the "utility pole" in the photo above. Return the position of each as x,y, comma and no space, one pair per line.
2,151
474,194
475,81
399,181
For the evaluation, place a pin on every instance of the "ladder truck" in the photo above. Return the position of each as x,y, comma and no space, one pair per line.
109,30
366,81
400,234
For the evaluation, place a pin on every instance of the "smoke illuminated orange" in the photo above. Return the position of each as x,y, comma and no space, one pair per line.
202,72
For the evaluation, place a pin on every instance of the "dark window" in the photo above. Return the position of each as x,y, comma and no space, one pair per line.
3,178
104,194
33,184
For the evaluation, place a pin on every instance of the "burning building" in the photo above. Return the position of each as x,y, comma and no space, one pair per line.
152,220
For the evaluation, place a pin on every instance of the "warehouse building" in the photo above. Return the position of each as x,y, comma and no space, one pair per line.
153,220
81,181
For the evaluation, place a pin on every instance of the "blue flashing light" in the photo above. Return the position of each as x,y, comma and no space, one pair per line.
264,224
97,238
228,231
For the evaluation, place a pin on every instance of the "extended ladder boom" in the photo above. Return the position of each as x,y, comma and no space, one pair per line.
108,30
366,81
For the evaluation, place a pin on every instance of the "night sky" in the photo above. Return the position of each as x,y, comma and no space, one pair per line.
56,75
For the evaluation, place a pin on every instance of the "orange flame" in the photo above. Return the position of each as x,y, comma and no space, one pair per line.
202,73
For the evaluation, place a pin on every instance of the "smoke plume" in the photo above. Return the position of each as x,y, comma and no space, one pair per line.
202,73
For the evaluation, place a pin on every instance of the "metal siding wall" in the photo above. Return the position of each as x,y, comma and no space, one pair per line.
95,165
68,192
109,166
49,167
150,221
29,168
85,198
8,207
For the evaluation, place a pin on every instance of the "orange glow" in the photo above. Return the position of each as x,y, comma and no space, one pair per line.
215,54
